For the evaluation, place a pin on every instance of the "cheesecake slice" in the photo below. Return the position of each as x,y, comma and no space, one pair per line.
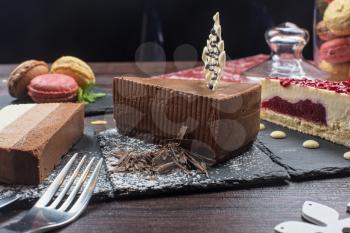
33,138
319,108
220,124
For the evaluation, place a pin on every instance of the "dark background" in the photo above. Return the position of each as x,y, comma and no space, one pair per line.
112,30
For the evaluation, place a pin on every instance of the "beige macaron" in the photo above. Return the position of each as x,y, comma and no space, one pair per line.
76,68
337,17
338,72
21,76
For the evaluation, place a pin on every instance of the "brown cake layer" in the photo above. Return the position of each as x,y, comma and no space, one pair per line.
33,137
219,123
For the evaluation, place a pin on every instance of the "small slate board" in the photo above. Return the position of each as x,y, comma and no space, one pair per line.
100,107
302,163
251,168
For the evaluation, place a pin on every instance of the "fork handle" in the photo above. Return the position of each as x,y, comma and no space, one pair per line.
23,225
3,230
17,227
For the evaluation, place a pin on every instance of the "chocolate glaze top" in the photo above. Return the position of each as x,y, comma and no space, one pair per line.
335,86
198,87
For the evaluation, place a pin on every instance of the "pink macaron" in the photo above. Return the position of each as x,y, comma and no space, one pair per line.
336,51
53,88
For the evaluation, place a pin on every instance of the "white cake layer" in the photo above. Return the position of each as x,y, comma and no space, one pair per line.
11,113
20,120
337,105
336,135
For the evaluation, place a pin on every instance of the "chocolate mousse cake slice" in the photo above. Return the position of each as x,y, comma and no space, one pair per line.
220,123
33,137
319,108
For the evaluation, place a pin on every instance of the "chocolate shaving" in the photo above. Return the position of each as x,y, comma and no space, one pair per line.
167,167
168,157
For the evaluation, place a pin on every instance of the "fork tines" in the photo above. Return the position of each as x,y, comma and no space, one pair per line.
48,200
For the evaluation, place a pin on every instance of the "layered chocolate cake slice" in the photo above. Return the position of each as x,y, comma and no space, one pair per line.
320,108
220,123
33,137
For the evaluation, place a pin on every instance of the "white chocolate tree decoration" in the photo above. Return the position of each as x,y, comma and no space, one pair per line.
214,56
319,219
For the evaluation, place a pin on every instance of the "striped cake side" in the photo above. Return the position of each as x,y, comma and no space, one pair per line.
33,143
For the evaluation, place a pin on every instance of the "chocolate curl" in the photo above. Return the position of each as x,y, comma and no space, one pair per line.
166,158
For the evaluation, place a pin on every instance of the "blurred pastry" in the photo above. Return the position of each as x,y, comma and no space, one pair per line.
21,76
323,32
76,68
336,51
338,72
337,17
53,88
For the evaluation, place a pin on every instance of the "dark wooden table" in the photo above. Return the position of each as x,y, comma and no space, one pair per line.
254,210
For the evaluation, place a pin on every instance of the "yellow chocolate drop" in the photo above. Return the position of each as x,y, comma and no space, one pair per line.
347,155
98,122
262,126
278,134
311,144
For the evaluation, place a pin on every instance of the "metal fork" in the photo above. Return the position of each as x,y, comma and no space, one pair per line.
49,212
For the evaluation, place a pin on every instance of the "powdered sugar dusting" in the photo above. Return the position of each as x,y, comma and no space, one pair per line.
250,167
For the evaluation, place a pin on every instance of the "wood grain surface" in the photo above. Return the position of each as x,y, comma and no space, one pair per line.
254,210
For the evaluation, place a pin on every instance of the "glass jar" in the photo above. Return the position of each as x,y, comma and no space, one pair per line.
332,37
286,42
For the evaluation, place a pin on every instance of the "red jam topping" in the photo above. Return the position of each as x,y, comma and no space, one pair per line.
336,86
304,109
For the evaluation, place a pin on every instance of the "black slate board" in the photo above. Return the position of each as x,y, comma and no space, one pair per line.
301,163
252,168
100,107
